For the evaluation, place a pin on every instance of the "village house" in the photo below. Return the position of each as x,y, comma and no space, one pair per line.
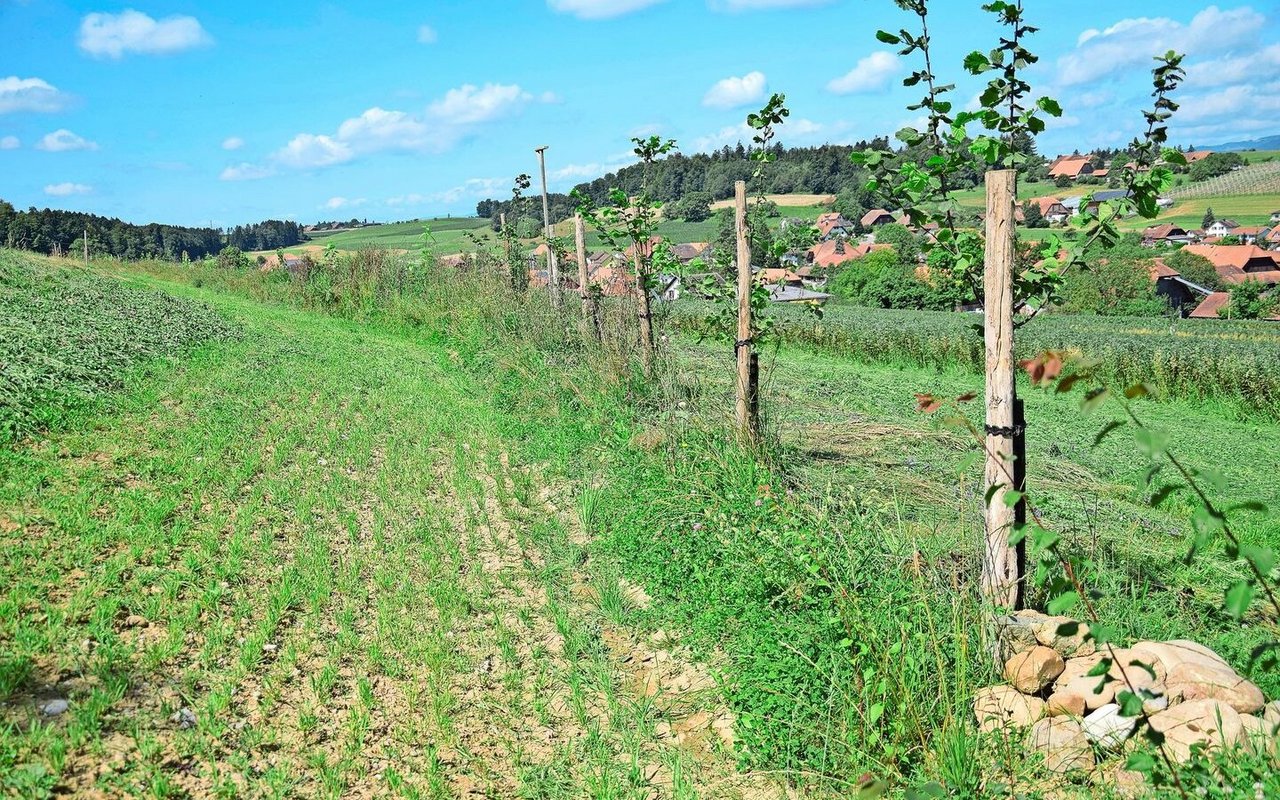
876,216
1169,284
1073,166
1218,306
834,252
684,253
1236,264
1222,227
833,224
1165,235
1052,209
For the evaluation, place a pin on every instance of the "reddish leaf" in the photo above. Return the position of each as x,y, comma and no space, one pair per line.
966,397
927,403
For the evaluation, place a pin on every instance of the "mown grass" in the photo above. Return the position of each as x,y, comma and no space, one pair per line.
67,336
449,233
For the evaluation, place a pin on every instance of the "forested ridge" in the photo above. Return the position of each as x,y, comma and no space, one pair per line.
50,230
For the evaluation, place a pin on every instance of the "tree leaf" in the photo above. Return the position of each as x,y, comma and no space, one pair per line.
1239,596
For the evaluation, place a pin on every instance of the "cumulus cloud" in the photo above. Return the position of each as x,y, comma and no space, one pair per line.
114,35
1108,52
309,150
1256,67
436,129
472,189
245,171
427,35
599,9
29,94
870,74
755,5
9,143
232,143
63,140
334,203
733,92
66,189
469,104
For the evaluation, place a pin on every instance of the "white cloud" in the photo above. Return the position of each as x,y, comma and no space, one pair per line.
599,9
725,136
756,5
246,172
733,92
29,94
1255,67
232,143
114,35
439,127
308,150
473,189
9,143
1229,104
66,189
468,104
63,140
334,203
870,74
1131,42
411,199
427,35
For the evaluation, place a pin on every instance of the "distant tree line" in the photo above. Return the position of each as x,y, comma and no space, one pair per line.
49,230
528,217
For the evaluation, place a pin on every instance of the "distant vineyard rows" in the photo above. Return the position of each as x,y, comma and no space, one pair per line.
1253,179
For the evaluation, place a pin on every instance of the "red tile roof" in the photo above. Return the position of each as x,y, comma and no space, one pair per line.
1159,269
1241,262
1218,301
1068,166
831,253
873,217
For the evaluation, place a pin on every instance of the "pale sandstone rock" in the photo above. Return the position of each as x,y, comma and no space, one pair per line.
1003,706
1034,669
1178,651
1107,728
1211,723
1065,704
1198,681
1063,744
1066,646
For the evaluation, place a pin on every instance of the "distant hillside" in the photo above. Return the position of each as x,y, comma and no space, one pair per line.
1265,143
1255,179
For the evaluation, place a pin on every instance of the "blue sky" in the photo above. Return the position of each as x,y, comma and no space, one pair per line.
232,112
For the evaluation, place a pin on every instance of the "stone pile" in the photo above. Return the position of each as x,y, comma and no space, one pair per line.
1069,715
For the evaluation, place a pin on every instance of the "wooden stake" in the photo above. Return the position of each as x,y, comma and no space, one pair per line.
748,416
1001,576
584,279
86,247
553,273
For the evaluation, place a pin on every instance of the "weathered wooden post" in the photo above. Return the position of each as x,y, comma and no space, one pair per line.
553,273
584,278
748,416
1001,570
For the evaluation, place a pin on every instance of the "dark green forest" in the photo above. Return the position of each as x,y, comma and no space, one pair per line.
49,231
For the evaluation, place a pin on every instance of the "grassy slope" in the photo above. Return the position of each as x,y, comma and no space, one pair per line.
342,584
448,233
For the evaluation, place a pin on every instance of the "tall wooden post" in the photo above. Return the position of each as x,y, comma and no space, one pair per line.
553,273
1001,576
748,417
86,247
584,278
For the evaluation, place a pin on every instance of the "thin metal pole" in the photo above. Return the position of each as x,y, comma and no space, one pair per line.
553,273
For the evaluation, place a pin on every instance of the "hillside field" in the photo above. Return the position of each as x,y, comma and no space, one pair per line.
430,544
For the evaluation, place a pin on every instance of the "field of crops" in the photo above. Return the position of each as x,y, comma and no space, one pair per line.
1236,363
447,231
66,336
1255,179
